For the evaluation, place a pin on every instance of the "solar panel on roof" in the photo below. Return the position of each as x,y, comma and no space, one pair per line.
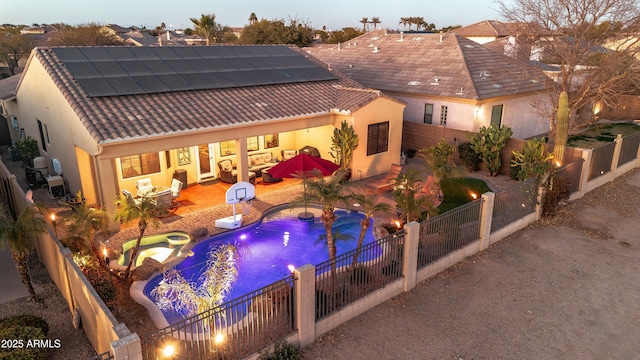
96,54
113,71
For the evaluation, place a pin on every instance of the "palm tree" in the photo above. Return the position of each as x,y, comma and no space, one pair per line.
375,21
364,22
369,205
205,26
404,21
145,211
404,192
253,18
17,234
85,222
328,191
176,293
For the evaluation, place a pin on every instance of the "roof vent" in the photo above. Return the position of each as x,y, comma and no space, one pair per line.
376,49
436,81
484,73
413,83
461,92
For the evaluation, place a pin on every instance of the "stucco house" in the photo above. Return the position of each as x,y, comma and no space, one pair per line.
445,79
113,115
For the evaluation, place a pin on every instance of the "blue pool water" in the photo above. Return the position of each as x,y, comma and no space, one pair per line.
267,248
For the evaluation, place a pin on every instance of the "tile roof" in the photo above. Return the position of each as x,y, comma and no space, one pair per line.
8,87
423,64
115,118
494,28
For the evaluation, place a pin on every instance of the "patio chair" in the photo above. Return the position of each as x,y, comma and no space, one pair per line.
144,186
176,186
430,190
129,196
386,184
164,199
288,154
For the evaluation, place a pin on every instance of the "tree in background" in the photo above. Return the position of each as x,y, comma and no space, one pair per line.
206,26
375,21
344,35
13,47
253,18
364,21
90,34
278,32
589,73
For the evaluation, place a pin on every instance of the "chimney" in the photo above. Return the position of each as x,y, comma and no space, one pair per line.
338,46
401,35
168,35
441,36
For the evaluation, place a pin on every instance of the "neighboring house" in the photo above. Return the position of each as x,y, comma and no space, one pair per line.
131,35
491,30
113,115
445,80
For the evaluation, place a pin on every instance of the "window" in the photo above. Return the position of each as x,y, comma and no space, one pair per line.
378,138
41,127
428,113
142,164
252,143
227,147
496,115
443,115
271,141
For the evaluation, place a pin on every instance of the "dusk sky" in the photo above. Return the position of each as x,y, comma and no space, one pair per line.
175,14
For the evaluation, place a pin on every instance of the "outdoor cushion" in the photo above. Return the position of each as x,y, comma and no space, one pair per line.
226,165
257,160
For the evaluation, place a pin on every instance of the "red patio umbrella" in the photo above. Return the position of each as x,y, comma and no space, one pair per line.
306,165
303,163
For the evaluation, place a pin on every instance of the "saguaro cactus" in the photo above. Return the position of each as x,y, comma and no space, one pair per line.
562,127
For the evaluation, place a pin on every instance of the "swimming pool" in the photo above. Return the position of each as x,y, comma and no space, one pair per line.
267,248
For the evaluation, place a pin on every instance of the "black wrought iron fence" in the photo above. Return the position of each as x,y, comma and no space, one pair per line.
601,160
570,175
448,232
629,149
356,274
234,330
514,203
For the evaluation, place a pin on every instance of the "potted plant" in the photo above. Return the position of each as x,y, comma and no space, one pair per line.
28,150
343,142
13,152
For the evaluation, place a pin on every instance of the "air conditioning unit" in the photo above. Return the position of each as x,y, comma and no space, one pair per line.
56,186
14,122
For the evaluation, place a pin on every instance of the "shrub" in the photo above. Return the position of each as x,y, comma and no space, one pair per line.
25,320
469,157
488,143
24,334
282,351
533,160
557,191
28,150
